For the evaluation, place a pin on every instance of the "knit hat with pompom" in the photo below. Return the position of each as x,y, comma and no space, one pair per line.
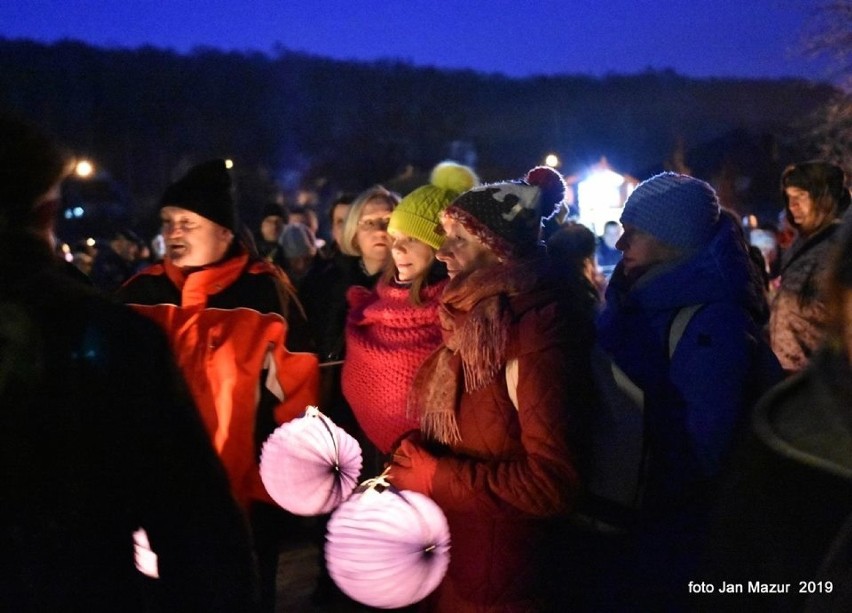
507,216
418,214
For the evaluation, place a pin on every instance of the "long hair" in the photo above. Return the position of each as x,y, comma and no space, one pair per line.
436,272
824,182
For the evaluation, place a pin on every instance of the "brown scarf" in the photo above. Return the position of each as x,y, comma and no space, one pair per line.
475,316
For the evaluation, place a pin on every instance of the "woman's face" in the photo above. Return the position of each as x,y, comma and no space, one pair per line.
641,251
411,257
462,251
372,236
804,211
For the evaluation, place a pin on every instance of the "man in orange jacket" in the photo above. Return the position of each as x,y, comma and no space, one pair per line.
236,330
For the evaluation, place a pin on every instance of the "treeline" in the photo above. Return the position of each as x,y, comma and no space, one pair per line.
147,113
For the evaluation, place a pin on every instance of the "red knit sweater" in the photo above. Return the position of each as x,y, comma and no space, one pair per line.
387,339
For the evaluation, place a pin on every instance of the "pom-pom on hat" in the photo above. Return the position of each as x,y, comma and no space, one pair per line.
418,214
507,216
206,190
676,209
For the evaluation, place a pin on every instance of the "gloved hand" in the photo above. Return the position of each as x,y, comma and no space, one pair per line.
412,468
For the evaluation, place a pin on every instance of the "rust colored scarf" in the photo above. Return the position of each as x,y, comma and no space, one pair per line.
476,316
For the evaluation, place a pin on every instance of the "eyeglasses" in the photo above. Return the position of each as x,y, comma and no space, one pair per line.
379,224
168,226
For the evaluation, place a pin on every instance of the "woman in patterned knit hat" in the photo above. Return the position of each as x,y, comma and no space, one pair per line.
391,329
499,401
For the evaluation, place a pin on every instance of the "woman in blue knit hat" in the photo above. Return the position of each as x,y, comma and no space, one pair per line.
685,265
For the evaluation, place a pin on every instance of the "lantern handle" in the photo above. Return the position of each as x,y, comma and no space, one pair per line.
313,411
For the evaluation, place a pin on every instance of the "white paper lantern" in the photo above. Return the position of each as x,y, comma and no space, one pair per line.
309,465
387,548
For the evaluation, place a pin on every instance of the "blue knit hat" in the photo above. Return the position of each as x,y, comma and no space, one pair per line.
678,210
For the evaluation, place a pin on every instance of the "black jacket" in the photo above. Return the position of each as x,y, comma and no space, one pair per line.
97,438
788,491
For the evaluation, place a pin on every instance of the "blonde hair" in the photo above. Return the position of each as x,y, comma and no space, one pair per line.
348,242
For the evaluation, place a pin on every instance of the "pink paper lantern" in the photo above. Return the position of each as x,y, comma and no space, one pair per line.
309,465
387,548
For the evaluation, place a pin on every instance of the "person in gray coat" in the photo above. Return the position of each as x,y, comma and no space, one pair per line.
816,197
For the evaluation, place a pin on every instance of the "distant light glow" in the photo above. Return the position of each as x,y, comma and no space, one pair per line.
600,200
84,169
78,211
229,164
552,160
90,242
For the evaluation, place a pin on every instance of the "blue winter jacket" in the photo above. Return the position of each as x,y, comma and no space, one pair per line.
694,400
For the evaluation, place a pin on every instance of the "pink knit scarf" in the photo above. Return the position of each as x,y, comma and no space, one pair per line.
475,319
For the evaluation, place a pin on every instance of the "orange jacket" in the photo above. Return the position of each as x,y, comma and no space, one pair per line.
229,343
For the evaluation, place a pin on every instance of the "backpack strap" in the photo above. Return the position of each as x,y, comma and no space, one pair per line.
679,324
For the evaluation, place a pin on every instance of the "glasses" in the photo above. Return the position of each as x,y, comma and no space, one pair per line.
379,224
183,226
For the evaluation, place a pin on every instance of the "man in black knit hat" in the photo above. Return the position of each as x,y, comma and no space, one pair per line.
239,336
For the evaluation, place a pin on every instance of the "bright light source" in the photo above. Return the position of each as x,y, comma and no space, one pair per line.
229,164
90,242
66,248
599,197
84,169
78,211
552,160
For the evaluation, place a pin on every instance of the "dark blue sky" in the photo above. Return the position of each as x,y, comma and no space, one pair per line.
699,38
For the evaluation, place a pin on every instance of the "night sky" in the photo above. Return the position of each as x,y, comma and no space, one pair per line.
698,38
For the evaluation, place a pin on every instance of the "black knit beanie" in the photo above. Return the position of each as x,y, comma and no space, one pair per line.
206,190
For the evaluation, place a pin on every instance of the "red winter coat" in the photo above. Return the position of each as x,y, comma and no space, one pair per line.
513,476
387,339
228,337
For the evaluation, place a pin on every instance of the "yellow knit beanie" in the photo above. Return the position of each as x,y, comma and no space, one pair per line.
418,214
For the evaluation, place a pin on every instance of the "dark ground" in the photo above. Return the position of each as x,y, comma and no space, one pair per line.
298,576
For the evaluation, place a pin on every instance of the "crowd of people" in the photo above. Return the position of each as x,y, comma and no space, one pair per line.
458,346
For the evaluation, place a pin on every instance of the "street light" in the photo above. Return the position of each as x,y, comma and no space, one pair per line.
84,169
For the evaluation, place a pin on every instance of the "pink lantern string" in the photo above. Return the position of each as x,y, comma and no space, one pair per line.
387,548
309,465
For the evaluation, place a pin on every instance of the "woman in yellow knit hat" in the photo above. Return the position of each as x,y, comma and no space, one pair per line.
391,329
